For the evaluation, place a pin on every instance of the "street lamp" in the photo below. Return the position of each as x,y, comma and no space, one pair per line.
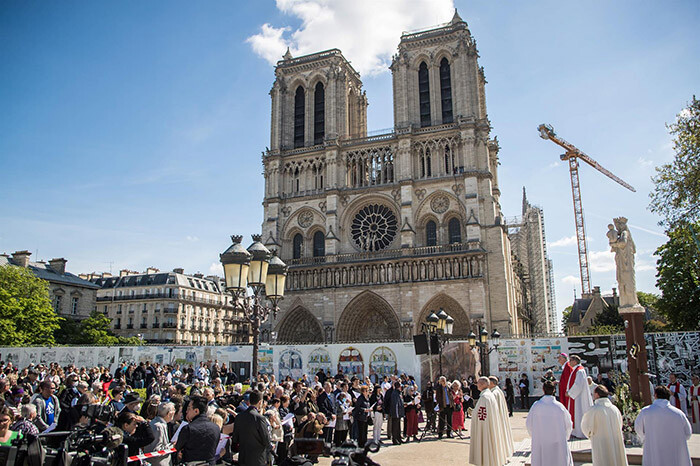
439,324
261,271
483,345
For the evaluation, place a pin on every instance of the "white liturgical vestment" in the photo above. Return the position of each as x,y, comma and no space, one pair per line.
603,425
694,414
679,397
665,431
507,434
486,447
549,425
580,395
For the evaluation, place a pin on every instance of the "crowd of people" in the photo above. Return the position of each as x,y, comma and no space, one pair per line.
205,414
584,410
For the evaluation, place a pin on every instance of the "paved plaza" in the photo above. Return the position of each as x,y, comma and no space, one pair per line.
455,451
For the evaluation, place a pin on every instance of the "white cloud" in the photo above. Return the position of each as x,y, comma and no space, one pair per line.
567,241
191,239
366,31
601,261
563,242
645,162
216,269
570,280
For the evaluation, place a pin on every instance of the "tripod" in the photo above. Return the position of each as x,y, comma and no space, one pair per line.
436,431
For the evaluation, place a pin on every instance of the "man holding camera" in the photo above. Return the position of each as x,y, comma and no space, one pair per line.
197,440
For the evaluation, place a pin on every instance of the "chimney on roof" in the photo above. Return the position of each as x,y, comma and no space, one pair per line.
58,265
179,270
614,291
151,270
106,275
596,291
21,258
124,272
199,275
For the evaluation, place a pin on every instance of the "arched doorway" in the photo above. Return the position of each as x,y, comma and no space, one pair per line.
462,325
368,317
299,326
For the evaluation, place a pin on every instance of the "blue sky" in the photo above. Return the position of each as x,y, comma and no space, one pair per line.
131,132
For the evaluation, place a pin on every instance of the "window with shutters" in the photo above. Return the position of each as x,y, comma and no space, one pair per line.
446,91
319,244
299,104
297,244
424,94
455,231
319,113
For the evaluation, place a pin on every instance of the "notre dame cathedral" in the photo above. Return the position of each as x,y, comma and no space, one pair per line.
381,230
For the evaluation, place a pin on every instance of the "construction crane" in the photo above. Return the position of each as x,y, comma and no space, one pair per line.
573,155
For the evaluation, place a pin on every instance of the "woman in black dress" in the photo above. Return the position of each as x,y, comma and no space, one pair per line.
510,396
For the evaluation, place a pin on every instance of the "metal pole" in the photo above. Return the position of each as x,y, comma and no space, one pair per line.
430,355
256,339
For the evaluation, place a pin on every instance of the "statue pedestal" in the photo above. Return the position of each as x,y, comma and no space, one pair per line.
636,352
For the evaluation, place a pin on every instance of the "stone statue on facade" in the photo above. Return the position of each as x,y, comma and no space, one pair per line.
621,243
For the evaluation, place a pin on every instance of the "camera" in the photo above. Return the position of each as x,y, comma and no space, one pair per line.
348,454
101,413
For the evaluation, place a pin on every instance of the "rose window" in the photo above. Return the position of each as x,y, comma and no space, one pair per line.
374,227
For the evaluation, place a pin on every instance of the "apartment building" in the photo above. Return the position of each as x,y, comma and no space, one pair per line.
171,307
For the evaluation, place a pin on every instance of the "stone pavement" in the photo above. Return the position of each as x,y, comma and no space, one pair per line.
455,451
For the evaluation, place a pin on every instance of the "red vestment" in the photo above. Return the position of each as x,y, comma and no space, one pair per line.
564,386
570,402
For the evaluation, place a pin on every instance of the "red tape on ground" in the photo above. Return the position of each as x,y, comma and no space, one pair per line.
154,454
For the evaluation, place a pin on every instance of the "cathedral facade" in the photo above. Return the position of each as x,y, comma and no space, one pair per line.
381,230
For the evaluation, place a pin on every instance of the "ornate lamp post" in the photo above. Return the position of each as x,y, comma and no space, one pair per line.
261,271
439,324
483,345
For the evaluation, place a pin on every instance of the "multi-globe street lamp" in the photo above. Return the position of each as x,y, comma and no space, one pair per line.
261,271
483,344
441,325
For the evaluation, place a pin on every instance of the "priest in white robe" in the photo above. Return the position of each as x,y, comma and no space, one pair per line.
603,425
580,396
694,396
665,431
549,425
679,397
507,434
486,446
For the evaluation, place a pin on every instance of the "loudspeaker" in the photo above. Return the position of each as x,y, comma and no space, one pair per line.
434,344
420,344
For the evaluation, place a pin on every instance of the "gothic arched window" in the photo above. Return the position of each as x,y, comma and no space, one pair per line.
455,230
299,104
424,94
430,234
319,113
319,244
446,91
297,243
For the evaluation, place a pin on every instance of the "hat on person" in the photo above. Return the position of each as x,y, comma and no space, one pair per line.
131,397
17,391
564,354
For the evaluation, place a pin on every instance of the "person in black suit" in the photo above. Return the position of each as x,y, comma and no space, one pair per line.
250,432
197,441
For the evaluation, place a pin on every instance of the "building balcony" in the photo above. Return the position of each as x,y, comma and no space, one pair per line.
169,325
144,325
155,325
130,326
168,310
117,326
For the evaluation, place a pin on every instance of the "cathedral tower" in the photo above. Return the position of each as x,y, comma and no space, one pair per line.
380,231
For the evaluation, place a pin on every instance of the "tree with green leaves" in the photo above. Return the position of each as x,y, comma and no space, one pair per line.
26,315
678,278
95,330
565,319
676,195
